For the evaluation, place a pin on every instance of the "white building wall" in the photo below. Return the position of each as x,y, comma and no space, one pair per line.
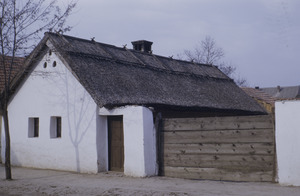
53,91
139,140
287,132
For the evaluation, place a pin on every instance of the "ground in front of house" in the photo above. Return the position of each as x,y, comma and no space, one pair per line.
33,182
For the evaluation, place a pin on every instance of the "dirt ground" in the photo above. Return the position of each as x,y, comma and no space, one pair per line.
33,182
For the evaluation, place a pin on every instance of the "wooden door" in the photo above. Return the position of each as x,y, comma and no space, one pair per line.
116,143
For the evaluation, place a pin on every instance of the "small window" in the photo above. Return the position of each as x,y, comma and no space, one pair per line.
50,52
55,127
45,64
54,64
33,127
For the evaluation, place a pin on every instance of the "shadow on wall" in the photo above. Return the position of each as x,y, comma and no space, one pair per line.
78,115
76,105
80,126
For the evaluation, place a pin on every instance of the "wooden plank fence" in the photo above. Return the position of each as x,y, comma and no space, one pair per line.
218,148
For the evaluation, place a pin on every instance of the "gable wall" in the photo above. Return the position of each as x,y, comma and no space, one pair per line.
53,91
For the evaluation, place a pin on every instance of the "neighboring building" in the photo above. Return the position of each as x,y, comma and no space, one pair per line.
283,93
262,98
285,104
287,113
17,67
89,107
267,96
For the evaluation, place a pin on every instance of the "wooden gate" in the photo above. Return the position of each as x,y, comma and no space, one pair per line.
218,148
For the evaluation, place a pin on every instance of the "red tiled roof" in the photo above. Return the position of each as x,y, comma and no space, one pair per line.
17,66
259,95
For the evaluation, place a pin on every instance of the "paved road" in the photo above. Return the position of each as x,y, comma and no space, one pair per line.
33,182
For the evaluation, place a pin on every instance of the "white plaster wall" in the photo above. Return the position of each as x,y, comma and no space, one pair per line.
139,140
102,143
287,114
53,91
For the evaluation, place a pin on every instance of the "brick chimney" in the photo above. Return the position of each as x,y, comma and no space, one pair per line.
142,45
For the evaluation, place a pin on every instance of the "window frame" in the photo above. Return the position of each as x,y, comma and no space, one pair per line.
33,127
55,127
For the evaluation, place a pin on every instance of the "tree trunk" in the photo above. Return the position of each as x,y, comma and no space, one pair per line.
7,146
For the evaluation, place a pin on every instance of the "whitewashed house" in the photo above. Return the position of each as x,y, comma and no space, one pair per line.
90,107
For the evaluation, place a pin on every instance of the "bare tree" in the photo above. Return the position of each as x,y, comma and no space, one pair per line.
207,52
21,23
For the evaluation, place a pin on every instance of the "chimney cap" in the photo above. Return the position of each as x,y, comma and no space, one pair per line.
141,42
278,88
142,45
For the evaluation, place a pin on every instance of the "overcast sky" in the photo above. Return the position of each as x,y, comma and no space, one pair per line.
260,37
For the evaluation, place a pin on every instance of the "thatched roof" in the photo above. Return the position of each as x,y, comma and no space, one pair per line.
116,76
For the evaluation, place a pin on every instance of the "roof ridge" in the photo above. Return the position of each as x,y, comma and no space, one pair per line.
117,47
83,39
185,61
